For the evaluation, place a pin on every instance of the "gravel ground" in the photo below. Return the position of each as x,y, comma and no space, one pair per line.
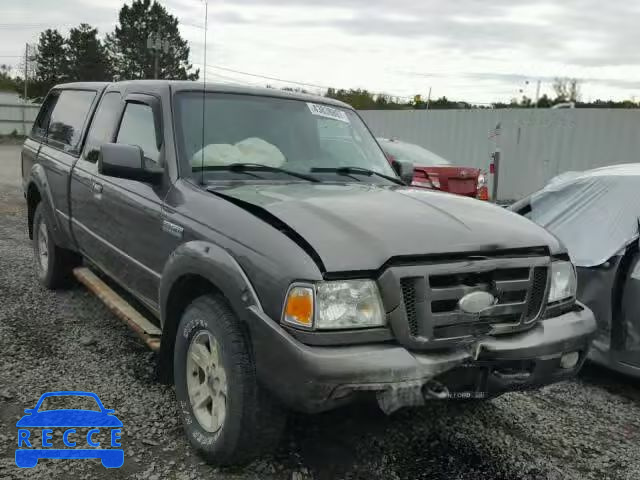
588,428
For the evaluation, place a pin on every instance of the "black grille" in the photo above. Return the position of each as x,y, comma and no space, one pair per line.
536,296
518,287
409,295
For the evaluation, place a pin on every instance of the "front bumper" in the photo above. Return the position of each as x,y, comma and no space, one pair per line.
314,379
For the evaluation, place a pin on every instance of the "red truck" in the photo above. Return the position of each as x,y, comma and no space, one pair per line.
434,172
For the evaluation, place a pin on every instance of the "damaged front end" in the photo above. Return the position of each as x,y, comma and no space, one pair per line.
442,340
552,351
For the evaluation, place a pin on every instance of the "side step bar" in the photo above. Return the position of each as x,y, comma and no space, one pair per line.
147,331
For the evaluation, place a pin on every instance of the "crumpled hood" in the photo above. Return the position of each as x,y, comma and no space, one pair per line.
361,226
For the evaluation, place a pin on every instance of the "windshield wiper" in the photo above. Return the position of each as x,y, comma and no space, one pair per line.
256,167
365,171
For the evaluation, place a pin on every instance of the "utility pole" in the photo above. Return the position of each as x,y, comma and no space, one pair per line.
155,65
204,67
494,167
204,82
428,98
158,45
24,98
537,94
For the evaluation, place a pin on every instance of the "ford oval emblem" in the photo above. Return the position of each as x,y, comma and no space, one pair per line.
476,302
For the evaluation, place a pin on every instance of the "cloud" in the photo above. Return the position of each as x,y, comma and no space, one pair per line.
482,51
586,32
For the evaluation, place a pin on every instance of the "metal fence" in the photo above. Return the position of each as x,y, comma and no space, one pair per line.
535,144
16,117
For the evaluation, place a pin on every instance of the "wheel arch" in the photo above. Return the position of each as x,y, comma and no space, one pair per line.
194,269
37,191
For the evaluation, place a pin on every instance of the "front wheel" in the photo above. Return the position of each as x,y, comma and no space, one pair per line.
227,416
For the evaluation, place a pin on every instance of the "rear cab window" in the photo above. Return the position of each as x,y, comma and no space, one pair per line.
41,125
68,119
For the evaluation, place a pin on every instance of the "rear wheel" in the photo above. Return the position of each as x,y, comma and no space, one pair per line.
53,264
226,415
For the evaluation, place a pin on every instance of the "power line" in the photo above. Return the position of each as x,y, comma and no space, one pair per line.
234,80
19,26
294,82
276,79
219,67
23,25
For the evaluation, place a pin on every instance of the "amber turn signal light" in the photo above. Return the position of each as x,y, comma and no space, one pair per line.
298,310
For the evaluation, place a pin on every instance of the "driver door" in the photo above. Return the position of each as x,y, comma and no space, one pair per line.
130,211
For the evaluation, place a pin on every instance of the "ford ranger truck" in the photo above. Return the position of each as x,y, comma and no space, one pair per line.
286,261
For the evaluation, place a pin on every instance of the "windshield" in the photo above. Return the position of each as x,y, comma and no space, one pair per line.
288,134
408,152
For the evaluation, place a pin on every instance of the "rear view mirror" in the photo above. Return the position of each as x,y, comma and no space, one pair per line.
404,170
126,161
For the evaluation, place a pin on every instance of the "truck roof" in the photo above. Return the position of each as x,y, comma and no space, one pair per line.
187,85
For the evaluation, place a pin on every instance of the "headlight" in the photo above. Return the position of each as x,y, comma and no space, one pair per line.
343,304
349,304
563,281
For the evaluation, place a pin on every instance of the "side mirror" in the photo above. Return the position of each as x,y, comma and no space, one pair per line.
127,161
29,410
404,170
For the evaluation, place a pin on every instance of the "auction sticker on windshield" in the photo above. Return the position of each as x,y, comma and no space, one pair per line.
328,112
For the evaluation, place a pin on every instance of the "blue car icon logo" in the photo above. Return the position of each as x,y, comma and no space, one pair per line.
35,434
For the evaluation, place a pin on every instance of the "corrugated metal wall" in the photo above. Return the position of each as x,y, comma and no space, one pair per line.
11,117
535,144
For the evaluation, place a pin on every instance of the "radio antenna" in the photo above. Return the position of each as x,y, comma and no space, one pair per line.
204,86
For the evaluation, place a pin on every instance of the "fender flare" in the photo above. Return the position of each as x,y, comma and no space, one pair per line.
213,263
38,179
217,266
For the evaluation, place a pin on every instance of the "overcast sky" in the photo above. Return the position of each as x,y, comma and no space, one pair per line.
470,50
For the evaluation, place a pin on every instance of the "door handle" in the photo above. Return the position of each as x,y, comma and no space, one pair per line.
96,187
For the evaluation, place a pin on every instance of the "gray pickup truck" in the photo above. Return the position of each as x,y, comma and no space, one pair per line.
286,261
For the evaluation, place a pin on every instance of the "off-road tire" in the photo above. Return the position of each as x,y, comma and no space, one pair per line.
253,422
54,270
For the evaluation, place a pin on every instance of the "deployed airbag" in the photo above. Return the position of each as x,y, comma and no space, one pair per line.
249,150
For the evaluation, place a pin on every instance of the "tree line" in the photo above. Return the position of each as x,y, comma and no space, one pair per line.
565,90
125,55
122,55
